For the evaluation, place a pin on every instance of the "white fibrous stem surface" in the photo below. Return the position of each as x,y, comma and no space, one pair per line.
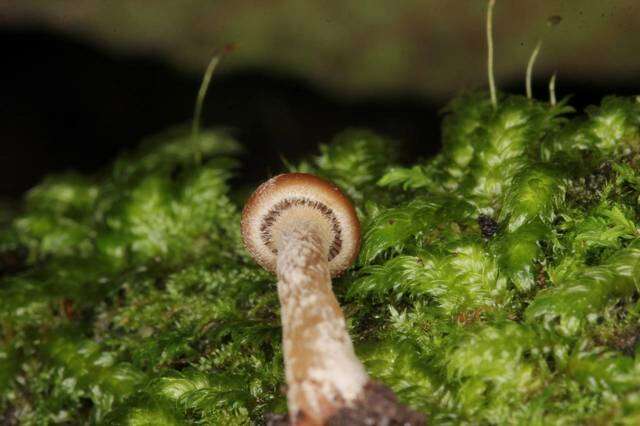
322,370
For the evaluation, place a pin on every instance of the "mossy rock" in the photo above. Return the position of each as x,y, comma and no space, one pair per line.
497,282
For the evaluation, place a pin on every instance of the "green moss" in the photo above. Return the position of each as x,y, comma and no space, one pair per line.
127,298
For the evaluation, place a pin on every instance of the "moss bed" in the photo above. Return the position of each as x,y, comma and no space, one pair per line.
497,282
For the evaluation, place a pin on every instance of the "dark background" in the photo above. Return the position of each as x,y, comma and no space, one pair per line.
67,105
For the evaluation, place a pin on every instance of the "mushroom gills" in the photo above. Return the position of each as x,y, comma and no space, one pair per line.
297,209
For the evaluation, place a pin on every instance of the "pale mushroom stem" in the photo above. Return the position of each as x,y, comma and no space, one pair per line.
322,371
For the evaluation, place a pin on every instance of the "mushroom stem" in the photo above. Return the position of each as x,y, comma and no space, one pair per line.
322,371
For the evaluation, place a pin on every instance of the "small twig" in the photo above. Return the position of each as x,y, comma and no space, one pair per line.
532,61
552,90
492,83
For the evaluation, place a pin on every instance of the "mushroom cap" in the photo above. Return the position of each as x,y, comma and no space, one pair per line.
302,191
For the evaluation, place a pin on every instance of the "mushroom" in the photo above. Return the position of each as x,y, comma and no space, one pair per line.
305,230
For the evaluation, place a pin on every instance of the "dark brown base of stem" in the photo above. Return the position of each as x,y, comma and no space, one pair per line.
378,405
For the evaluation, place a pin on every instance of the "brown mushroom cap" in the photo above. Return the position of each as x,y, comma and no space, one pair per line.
300,195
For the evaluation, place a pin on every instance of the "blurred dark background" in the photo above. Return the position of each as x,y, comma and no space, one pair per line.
79,85
68,105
